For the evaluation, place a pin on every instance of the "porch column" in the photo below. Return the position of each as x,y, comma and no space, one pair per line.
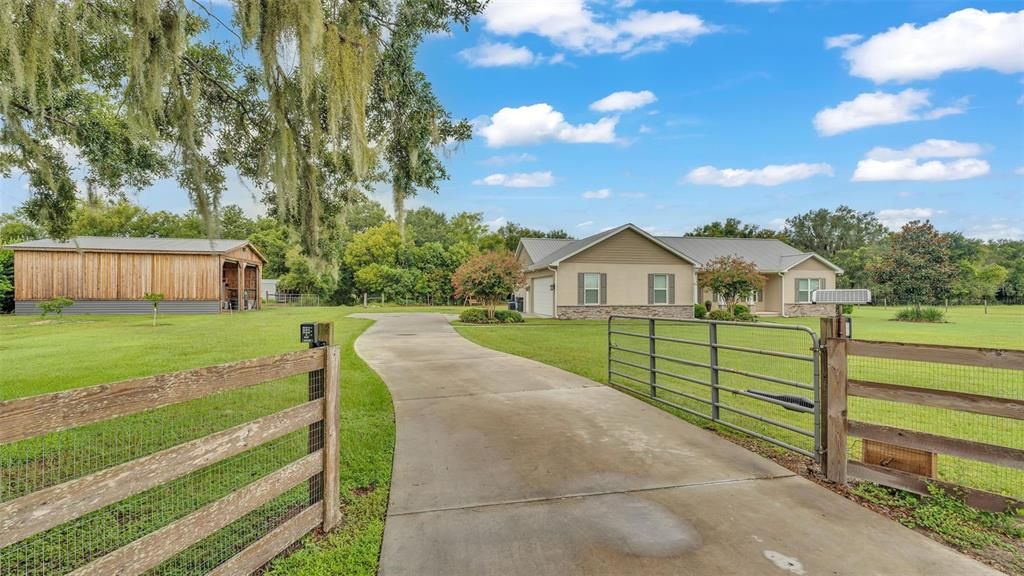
782,294
259,287
241,287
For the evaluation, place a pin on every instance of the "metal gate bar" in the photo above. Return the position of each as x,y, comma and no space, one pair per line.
657,391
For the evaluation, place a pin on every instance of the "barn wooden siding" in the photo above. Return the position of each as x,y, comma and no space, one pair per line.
41,275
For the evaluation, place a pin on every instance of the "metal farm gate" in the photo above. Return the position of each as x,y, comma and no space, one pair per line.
757,378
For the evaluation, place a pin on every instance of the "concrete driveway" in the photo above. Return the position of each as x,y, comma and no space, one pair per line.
505,467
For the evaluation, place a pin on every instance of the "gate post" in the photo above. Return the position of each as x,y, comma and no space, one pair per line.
653,362
713,340
836,455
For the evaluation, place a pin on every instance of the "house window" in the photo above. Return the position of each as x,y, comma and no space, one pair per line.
757,296
661,288
591,288
806,286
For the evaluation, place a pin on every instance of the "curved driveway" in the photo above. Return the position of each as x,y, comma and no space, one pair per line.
506,467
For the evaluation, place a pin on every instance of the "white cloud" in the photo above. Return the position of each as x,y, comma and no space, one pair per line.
964,40
931,148
633,195
771,175
999,229
842,41
894,219
645,129
490,55
586,224
597,194
508,159
882,164
1019,171
909,169
880,108
624,101
518,180
496,223
540,122
573,26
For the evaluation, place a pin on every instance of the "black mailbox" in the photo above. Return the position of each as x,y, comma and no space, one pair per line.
307,333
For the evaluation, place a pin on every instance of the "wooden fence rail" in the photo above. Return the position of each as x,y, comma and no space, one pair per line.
839,387
49,507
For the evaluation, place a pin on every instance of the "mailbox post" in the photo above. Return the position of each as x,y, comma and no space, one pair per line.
316,335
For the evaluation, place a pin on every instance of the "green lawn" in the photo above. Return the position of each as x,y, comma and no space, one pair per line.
46,356
581,347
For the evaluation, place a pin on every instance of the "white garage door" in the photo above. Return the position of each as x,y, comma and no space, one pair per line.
543,296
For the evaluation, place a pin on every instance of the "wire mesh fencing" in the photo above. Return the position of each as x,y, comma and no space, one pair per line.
967,392
37,471
759,379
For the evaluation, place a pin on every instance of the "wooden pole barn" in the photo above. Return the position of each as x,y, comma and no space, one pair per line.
111,275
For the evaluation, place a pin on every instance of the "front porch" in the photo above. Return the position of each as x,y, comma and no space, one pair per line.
240,282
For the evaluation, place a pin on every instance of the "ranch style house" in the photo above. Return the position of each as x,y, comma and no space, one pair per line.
625,270
106,275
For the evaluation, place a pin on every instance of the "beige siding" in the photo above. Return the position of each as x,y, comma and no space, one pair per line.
810,268
627,283
772,294
626,247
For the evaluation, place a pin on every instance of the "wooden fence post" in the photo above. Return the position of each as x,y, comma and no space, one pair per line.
332,394
318,385
836,455
826,330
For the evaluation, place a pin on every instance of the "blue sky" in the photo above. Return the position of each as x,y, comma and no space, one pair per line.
672,114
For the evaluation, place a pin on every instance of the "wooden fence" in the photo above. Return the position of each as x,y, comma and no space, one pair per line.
913,468
49,507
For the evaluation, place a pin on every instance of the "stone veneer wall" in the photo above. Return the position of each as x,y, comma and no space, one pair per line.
810,309
603,312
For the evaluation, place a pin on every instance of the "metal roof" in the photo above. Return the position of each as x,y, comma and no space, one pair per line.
538,248
112,244
768,254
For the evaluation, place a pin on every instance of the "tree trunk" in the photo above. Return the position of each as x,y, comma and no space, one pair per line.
398,198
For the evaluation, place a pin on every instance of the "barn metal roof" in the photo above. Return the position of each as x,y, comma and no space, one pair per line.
113,244
769,255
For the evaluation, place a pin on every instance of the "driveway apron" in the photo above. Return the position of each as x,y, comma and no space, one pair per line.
506,467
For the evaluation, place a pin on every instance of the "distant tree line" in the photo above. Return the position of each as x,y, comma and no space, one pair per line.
915,265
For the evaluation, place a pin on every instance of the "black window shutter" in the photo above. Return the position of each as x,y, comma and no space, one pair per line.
650,288
579,288
671,288
604,288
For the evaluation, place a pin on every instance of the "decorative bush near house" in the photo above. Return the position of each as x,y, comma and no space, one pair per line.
720,314
479,316
489,278
741,310
923,314
55,305
699,311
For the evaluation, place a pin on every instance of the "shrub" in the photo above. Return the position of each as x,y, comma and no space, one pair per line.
925,314
55,305
741,310
847,309
699,311
720,315
508,316
746,317
474,316
479,316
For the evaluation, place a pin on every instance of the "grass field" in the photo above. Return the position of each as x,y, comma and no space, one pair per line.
40,356
581,347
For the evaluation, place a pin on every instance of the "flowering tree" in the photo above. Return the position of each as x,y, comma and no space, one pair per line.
731,277
489,277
